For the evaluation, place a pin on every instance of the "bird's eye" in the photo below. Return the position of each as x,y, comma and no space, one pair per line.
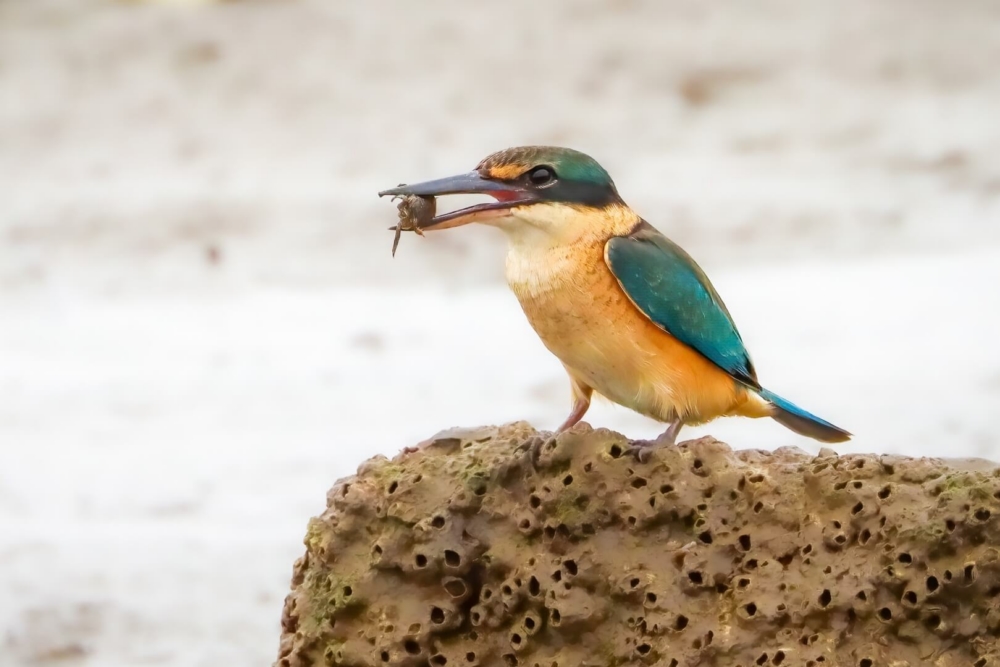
541,176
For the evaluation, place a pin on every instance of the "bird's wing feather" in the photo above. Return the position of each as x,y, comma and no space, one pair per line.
669,288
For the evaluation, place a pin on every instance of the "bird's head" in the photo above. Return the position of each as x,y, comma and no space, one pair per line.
538,190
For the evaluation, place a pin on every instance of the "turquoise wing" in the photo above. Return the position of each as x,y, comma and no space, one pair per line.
675,294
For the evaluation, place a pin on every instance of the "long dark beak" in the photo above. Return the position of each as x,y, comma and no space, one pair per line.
507,197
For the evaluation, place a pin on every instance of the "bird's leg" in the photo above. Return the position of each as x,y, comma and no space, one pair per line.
669,437
581,403
579,410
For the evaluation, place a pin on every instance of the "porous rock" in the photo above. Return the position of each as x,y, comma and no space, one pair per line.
506,546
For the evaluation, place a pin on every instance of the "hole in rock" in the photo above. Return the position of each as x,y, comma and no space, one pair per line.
455,587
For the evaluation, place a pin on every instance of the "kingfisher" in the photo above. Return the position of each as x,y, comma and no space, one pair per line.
631,316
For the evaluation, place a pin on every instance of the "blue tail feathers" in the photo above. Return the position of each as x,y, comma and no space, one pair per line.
802,422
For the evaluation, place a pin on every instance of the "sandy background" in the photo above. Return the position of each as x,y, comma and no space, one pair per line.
201,327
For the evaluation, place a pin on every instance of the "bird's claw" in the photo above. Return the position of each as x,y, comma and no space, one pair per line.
531,450
642,450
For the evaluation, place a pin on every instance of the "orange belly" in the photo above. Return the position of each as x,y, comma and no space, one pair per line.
584,318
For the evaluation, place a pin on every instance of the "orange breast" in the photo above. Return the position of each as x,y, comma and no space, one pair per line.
583,317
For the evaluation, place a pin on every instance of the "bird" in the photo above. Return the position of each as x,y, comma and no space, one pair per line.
629,314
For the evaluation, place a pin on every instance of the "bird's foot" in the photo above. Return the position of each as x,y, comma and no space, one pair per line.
641,450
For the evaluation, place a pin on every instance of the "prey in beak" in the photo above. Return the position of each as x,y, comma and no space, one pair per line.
507,195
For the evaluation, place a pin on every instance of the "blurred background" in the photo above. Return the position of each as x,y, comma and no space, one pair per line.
201,325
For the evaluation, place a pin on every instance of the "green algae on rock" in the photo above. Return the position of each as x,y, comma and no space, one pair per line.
506,546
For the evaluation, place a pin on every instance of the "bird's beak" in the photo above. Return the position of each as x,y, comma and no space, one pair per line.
507,197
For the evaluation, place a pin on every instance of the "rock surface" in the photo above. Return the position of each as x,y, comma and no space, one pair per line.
506,546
